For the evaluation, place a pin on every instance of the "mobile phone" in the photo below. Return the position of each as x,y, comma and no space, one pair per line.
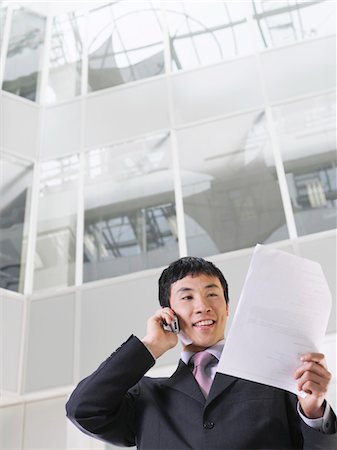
174,326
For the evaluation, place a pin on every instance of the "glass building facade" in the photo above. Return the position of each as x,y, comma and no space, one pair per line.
136,132
178,128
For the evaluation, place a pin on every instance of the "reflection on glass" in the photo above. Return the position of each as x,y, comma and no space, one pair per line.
130,218
207,32
280,22
56,233
307,134
230,188
15,182
65,57
23,63
125,44
3,13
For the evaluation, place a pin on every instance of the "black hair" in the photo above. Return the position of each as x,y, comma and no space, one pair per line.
188,265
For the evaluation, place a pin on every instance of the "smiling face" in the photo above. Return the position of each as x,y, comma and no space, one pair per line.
201,308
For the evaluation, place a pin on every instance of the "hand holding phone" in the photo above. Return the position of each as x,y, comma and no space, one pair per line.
157,340
173,326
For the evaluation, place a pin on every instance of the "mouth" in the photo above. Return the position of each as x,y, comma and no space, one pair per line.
204,323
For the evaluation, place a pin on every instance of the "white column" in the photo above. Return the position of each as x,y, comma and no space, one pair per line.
281,175
41,93
32,227
85,56
174,144
276,151
80,222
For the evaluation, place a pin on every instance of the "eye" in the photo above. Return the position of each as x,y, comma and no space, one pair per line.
212,294
187,297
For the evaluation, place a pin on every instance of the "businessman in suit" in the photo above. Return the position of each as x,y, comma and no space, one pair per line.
120,405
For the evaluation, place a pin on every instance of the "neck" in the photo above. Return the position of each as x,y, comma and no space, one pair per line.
197,348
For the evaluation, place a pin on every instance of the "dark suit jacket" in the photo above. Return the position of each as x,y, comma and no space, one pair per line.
121,406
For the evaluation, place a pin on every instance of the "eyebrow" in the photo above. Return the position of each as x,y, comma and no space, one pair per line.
184,289
213,285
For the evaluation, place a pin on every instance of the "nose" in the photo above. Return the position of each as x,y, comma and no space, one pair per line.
202,304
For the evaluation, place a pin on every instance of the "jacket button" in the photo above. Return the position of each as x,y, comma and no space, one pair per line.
208,425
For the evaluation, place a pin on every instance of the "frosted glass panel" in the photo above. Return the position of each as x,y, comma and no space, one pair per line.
45,425
56,237
11,317
230,188
292,71
217,90
61,134
125,112
11,424
307,135
15,183
51,340
130,219
19,126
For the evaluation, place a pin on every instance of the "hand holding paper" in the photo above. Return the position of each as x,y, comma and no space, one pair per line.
313,378
282,314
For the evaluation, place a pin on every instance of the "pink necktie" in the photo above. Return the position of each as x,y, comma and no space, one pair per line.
200,361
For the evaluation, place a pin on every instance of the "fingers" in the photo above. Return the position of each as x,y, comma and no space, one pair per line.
313,376
315,363
165,314
311,383
157,340
313,368
318,358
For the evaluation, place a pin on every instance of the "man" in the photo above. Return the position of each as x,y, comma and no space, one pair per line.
118,404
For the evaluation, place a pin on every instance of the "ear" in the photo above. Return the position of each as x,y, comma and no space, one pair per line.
227,310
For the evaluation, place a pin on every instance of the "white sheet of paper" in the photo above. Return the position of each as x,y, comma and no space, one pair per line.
282,313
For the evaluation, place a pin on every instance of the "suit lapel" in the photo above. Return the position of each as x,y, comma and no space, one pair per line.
220,384
183,380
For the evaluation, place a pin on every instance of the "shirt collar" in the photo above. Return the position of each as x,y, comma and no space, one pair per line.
216,351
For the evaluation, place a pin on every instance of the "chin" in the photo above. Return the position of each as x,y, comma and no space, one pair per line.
205,343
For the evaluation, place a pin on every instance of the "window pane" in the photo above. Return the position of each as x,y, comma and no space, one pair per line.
307,133
3,14
23,63
130,218
208,32
283,22
65,57
15,181
56,235
125,44
230,188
